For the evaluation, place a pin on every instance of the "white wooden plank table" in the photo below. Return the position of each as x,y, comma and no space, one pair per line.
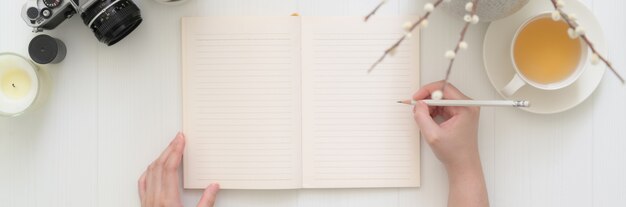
113,109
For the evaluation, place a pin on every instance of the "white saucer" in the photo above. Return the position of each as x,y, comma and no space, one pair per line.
499,66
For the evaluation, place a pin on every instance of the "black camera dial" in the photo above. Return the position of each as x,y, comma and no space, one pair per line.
52,3
32,12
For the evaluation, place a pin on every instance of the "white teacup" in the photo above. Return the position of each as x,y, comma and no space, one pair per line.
519,79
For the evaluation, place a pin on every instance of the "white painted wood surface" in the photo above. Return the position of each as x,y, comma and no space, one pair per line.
113,109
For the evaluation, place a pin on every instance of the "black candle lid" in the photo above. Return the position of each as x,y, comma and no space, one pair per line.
43,49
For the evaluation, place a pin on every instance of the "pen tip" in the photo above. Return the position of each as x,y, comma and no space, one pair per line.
404,102
398,101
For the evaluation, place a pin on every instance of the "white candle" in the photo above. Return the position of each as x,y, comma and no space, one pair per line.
19,84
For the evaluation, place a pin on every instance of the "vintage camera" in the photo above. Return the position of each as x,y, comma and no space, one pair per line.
110,20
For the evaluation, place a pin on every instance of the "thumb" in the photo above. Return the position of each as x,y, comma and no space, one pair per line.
427,125
209,195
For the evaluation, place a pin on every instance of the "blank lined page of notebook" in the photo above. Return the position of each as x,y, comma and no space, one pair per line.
241,102
354,132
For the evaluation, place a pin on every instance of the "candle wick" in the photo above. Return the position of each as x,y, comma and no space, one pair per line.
13,84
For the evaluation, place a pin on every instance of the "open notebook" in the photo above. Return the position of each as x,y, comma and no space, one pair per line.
286,102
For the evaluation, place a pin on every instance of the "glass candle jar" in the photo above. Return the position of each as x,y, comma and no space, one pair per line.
23,86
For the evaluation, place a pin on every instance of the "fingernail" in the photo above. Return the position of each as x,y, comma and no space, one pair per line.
214,186
176,140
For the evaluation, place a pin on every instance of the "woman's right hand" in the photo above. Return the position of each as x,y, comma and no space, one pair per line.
159,184
454,140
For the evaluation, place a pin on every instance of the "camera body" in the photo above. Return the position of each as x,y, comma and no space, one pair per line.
46,15
110,20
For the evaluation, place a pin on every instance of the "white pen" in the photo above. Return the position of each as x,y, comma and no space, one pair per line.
448,102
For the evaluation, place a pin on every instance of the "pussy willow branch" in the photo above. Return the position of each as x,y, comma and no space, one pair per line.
456,49
399,41
572,24
375,10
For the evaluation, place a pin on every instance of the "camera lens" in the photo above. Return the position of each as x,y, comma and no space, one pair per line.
112,20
